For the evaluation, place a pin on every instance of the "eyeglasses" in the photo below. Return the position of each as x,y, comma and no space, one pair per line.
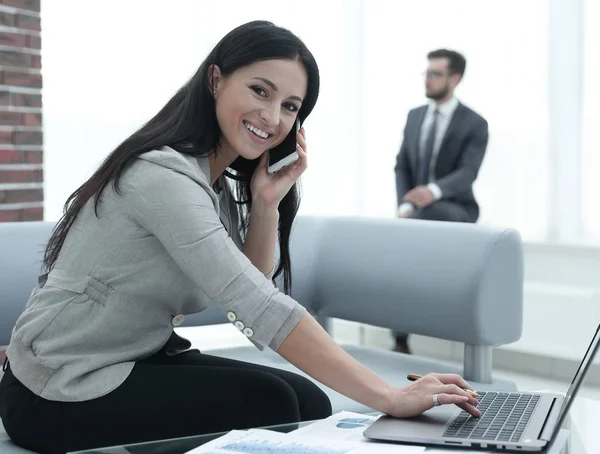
434,74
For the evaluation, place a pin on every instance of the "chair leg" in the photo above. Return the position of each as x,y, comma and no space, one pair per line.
478,363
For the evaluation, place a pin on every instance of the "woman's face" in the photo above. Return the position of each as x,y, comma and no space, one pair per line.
257,105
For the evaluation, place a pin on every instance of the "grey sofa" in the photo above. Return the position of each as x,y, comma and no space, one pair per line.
452,281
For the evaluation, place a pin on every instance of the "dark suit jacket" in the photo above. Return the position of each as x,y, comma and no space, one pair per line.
458,160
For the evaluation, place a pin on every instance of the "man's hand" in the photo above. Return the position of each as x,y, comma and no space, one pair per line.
405,210
421,196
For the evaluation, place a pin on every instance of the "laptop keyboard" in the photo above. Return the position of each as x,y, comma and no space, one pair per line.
504,417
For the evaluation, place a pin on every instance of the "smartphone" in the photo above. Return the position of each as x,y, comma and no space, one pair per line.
285,153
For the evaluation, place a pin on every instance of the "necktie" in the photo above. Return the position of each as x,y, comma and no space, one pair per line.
425,158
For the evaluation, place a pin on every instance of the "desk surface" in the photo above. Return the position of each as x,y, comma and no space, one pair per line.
583,425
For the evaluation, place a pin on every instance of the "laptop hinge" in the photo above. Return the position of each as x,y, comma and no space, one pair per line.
549,422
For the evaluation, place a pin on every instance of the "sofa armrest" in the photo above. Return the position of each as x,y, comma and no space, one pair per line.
22,246
453,281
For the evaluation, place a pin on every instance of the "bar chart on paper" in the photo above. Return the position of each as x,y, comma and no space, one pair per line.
265,442
341,433
257,441
274,447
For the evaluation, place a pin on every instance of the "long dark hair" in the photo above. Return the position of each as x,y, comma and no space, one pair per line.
188,124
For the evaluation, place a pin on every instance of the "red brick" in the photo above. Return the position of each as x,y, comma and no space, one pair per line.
26,100
32,5
21,196
32,119
4,98
11,58
10,215
36,61
24,215
21,176
28,138
32,214
8,19
35,42
28,22
8,118
21,79
13,157
13,39
6,137
34,157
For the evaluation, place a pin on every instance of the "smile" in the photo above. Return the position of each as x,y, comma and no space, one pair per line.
257,132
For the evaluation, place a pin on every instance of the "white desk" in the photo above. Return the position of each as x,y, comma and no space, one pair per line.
584,424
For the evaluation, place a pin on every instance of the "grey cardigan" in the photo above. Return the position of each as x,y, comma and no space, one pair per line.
156,252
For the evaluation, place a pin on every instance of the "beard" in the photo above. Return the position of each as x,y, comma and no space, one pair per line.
440,94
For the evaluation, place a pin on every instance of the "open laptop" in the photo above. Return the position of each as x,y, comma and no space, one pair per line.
510,421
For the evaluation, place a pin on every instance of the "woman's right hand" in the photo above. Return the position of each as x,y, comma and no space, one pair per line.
417,397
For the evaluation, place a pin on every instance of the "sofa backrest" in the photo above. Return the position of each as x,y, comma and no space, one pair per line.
455,281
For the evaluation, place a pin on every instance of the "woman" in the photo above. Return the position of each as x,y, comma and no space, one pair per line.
156,234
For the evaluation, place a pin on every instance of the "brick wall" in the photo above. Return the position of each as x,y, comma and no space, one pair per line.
21,138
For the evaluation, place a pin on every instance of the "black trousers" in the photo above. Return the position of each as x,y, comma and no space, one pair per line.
442,210
164,397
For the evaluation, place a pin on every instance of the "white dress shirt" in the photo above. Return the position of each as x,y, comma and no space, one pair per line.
445,112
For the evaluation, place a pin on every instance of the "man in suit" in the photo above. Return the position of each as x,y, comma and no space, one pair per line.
442,150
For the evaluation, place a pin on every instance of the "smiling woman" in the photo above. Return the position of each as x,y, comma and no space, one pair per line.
156,234
258,105
160,205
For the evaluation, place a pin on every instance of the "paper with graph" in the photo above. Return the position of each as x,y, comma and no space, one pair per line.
338,434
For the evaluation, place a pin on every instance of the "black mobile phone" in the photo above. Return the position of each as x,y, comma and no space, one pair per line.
285,153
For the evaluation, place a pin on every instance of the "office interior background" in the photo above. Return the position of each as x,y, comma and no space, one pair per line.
532,71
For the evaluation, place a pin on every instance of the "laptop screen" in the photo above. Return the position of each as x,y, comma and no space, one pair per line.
578,378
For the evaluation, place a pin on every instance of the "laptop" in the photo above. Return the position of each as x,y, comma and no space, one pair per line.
510,421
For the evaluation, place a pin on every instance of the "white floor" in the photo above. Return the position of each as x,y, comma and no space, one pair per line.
224,336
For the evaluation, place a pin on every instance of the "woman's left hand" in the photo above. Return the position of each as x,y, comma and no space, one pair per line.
270,189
